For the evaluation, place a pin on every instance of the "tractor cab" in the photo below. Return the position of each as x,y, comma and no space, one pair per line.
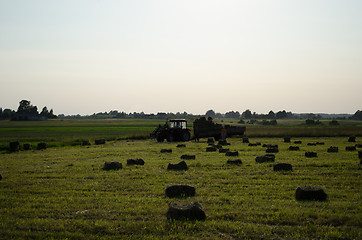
172,130
177,123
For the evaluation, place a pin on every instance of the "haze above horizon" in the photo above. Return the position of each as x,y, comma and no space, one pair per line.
89,56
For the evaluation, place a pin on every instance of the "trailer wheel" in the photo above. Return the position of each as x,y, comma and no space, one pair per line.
185,136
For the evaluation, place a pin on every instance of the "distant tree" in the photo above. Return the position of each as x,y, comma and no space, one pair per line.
246,114
357,115
271,115
281,115
210,113
232,114
26,108
334,123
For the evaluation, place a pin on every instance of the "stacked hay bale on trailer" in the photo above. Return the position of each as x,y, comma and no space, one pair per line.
206,128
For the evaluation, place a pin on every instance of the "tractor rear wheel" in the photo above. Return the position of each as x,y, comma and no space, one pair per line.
185,136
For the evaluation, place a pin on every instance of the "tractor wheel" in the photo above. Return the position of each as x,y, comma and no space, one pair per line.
160,139
170,138
185,136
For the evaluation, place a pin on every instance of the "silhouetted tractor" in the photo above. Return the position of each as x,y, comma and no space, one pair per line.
172,130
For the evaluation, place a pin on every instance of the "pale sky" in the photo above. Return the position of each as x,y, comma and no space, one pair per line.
89,56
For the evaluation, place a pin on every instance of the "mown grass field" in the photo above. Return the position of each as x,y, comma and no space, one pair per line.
63,193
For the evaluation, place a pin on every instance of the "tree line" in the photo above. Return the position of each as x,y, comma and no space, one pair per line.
27,112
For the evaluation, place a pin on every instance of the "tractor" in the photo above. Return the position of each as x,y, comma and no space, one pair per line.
172,130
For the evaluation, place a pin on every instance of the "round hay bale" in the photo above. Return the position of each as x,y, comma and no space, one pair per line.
287,139
293,148
234,161
310,194
100,141
14,146
265,158
310,154
298,142
245,140
192,212
181,145
86,143
311,144
178,167
112,166
166,151
180,190
188,157
358,145
282,167
319,143
137,161
351,148
41,146
332,149
232,154
26,146
211,149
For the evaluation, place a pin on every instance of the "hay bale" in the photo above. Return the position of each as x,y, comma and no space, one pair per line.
351,148
245,140
137,161
293,148
112,166
223,150
332,149
282,167
100,141
14,146
188,157
352,139
310,194
358,145
41,146
181,145
287,139
253,144
192,212
319,143
235,161
86,143
223,143
265,158
179,166
311,144
211,149
180,190
298,142
272,149
232,154
310,154
166,151
26,146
